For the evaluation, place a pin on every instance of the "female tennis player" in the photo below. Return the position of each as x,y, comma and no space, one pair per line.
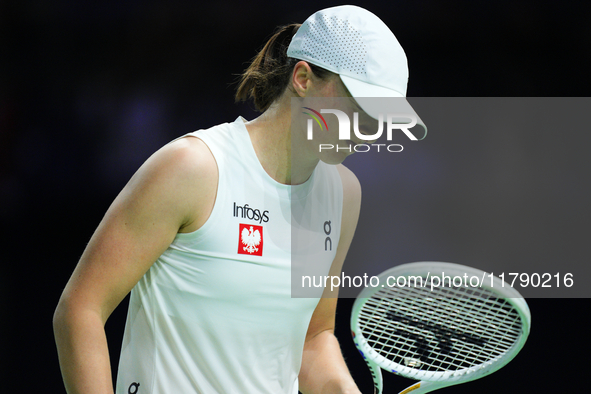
203,234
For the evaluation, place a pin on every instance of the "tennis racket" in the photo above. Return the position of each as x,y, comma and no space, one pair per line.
440,323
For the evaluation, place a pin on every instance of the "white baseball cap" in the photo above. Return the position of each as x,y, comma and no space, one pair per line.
356,44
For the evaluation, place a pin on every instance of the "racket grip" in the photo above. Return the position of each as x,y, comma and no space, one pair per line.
424,387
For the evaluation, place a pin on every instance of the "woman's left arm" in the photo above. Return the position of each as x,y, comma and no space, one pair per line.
323,368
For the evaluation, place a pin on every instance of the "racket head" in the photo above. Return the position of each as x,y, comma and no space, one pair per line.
446,334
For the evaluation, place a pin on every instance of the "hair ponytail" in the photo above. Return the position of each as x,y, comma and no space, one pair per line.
269,73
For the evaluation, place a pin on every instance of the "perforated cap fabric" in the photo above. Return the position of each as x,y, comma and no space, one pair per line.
357,45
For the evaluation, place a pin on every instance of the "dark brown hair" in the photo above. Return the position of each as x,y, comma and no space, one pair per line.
269,73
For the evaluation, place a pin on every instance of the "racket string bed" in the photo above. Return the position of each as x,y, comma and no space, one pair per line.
436,333
401,323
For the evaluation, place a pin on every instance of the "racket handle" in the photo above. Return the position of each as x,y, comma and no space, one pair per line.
424,387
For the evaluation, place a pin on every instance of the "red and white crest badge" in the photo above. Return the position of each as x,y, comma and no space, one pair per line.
250,239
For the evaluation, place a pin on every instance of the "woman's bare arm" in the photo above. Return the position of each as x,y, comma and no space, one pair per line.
173,191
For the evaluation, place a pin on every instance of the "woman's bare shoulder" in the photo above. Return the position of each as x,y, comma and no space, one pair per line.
351,201
187,168
351,185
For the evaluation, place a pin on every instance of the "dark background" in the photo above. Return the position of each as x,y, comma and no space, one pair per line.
88,90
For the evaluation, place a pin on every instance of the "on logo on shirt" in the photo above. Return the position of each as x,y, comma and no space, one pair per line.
250,239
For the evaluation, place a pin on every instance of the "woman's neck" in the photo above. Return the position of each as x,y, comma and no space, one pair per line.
282,155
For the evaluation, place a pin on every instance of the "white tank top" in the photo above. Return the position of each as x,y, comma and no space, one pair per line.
214,314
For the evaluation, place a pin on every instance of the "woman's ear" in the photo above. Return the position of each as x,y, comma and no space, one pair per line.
302,78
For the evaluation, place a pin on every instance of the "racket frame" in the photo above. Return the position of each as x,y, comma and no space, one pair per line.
430,380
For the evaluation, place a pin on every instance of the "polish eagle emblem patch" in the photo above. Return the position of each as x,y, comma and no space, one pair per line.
250,239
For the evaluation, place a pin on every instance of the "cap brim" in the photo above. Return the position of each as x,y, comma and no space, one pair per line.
378,100
359,88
